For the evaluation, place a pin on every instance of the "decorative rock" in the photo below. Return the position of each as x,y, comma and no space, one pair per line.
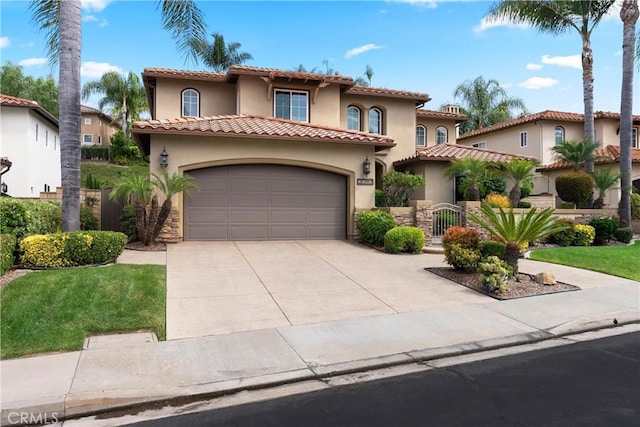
546,279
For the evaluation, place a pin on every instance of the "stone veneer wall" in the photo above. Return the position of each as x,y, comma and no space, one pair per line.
541,201
418,214
93,198
170,232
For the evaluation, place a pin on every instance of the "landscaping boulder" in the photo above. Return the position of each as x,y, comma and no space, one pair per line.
546,279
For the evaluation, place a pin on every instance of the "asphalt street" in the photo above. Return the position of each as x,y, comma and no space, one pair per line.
593,383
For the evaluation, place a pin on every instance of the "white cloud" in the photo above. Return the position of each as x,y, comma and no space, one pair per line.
538,83
95,5
534,67
361,49
571,61
103,23
617,53
95,70
4,42
486,24
30,62
89,18
423,3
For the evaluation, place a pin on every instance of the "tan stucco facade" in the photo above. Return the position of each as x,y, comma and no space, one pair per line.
99,127
216,98
437,188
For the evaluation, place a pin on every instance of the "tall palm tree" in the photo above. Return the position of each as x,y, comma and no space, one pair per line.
369,73
576,153
603,179
485,103
556,17
629,15
61,21
519,171
219,56
123,95
473,170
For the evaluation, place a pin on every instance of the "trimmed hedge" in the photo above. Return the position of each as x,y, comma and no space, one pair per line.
71,249
491,248
574,187
25,217
404,239
374,225
623,235
605,228
7,248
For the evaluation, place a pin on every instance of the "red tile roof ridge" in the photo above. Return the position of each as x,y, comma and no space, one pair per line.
183,73
14,100
437,113
449,153
277,72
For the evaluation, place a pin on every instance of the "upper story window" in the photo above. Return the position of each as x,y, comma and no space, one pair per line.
353,118
87,139
46,137
99,140
523,139
559,132
375,121
634,138
441,135
190,103
55,142
291,105
421,136
36,132
482,144
87,120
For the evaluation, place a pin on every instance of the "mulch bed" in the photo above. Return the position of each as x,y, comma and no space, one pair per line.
138,246
523,285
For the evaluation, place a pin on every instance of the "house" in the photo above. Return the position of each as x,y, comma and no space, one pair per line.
279,154
535,134
29,139
97,127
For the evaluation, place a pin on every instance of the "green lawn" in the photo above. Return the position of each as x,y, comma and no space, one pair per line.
54,310
108,173
623,261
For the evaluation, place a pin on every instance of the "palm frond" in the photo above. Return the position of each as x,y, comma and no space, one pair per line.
46,16
186,22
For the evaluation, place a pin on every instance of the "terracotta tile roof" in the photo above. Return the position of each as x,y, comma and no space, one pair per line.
258,127
608,154
183,74
450,152
433,114
12,101
559,116
274,73
89,110
392,93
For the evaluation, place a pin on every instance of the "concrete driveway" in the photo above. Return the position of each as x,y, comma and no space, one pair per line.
224,287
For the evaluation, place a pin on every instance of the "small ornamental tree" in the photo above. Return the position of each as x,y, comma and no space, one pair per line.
398,187
575,187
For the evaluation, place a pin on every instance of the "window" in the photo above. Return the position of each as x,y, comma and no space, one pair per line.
55,142
441,135
421,134
36,132
291,105
46,137
375,121
87,120
559,135
634,138
523,139
87,139
353,118
99,140
482,144
190,103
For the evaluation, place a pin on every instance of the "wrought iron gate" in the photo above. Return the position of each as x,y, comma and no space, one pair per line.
445,215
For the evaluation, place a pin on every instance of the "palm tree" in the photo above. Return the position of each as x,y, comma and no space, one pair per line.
556,17
125,96
474,170
577,153
61,21
603,179
169,185
220,56
519,171
485,103
139,188
629,15
515,231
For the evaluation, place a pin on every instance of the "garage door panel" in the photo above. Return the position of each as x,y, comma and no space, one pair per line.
295,184
244,200
209,233
248,217
249,185
207,217
289,216
244,232
323,231
326,201
289,232
208,200
286,200
327,215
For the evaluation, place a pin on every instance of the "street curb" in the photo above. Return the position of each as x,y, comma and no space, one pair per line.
317,373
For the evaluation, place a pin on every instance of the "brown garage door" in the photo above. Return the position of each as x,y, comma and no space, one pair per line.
265,202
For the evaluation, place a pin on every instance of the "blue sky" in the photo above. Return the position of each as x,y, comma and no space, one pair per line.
420,45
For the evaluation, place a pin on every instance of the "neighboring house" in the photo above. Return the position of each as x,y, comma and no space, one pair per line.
608,157
29,139
278,154
432,163
97,127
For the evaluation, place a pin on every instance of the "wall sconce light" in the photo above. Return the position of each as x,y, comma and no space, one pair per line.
366,166
4,188
164,158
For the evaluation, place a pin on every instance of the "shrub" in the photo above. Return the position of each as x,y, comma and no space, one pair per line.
526,189
494,274
71,249
623,235
491,248
566,205
524,205
128,221
7,248
497,200
461,258
13,217
635,206
374,225
605,227
94,152
123,150
574,187
92,183
88,221
443,220
564,237
381,201
465,237
404,239
398,187
584,235
25,217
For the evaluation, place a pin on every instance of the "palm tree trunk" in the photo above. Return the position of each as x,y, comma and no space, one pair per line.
629,15
165,210
69,101
511,256
474,192
587,82
123,120
153,220
141,219
514,195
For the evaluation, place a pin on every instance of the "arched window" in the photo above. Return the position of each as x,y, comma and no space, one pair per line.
353,118
190,103
559,135
421,136
375,121
441,135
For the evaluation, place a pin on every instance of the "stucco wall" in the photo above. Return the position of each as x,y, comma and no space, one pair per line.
432,124
215,98
508,140
98,127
